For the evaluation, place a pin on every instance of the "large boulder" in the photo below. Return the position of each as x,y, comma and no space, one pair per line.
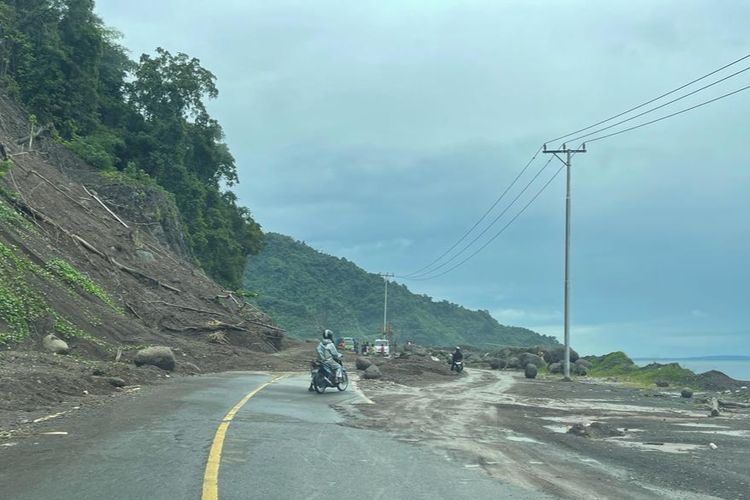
372,372
513,362
497,364
530,371
362,363
557,355
529,358
555,368
686,393
159,356
578,369
55,345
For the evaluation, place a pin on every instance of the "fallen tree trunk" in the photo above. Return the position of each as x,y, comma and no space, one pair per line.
714,404
733,404
30,137
105,207
141,275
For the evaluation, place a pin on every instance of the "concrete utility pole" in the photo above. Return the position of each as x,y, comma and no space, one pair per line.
385,276
568,155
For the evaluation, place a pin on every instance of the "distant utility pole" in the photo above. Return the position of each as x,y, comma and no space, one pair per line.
568,155
385,276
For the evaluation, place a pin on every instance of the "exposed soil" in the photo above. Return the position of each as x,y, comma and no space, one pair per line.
644,443
128,240
414,370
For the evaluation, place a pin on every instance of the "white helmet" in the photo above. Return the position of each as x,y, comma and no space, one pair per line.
328,334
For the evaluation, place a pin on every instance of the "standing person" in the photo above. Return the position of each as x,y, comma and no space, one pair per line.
456,356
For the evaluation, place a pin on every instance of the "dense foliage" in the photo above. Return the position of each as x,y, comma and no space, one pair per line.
140,117
306,291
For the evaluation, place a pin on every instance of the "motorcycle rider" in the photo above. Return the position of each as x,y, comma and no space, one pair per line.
329,356
455,357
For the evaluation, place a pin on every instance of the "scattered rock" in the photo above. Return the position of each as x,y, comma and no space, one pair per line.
583,362
578,369
497,364
362,363
55,345
145,255
557,355
513,362
712,446
530,371
160,356
529,358
556,368
372,372
661,383
579,430
686,393
114,381
595,430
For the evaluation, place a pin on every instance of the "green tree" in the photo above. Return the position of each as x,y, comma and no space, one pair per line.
69,69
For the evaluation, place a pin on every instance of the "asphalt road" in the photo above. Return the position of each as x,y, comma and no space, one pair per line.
283,443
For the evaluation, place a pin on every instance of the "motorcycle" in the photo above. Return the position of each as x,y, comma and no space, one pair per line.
322,378
458,366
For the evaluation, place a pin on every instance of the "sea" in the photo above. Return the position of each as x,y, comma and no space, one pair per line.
737,369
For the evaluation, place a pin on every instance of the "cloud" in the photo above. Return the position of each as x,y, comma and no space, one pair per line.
382,130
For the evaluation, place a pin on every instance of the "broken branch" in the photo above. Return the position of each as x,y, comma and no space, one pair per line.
105,207
141,275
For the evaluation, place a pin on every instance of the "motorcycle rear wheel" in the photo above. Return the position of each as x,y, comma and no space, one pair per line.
343,383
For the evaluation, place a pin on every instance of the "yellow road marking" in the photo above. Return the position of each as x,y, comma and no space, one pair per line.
211,477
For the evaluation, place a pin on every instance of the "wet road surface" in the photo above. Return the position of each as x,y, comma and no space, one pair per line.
283,443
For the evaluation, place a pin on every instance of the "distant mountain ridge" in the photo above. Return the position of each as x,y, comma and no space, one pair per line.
305,290
717,357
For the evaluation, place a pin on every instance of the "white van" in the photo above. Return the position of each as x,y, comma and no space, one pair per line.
381,346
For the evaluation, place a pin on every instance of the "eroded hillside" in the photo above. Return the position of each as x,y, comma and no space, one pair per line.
98,260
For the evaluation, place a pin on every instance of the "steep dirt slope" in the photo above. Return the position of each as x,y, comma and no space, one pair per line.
68,266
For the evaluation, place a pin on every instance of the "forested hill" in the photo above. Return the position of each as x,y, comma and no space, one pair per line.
305,290
142,122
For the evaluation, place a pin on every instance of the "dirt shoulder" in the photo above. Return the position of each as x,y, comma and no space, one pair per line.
643,444
38,387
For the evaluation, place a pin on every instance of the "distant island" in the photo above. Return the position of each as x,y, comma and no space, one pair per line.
697,358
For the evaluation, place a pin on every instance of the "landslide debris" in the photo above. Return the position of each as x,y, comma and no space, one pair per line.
100,266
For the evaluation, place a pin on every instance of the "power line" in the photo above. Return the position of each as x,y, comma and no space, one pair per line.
652,100
424,274
492,207
494,221
669,115
659,106
501,231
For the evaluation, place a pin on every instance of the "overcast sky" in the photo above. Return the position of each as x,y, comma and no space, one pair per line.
380,131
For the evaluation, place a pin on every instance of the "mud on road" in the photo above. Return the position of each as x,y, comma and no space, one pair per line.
646,445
